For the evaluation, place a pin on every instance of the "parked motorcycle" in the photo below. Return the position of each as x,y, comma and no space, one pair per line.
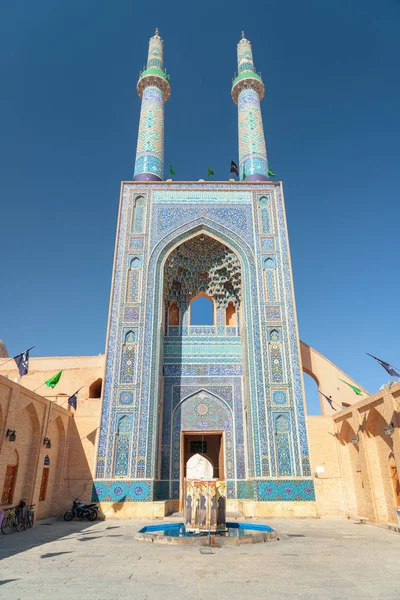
82,511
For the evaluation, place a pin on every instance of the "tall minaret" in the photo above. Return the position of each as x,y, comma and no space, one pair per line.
247,91
154,89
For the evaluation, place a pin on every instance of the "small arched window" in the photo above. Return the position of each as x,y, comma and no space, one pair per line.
130,337
274,335
95,388
202,310
230,315
269,263
135,263
173,314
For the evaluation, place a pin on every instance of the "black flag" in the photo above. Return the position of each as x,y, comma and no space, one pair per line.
389,368
329,401
234,168
73,400
22,361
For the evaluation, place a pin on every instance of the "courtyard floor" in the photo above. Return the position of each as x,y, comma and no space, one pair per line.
314,558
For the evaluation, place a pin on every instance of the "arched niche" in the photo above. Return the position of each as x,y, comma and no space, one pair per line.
199,467
138,213
173,314
95,388
230,315
202,310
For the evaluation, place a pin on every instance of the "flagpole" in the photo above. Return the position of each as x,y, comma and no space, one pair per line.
14,357
39,387
380,362
330,399
8,360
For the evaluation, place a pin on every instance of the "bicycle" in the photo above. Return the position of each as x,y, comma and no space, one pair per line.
13,520
29,516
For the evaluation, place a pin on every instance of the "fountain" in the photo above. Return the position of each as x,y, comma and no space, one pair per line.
205,514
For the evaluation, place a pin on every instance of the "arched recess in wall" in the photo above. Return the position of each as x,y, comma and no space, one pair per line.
283,446
95,388
173,314
265,215
230,315
313,397
122,445
59,464
394,478
379,446
353,484
29,445
201,310
138,214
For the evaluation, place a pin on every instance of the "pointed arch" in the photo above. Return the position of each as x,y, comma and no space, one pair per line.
138,213
31,444
230,315
122,445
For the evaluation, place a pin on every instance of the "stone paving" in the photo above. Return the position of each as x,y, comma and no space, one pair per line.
335,559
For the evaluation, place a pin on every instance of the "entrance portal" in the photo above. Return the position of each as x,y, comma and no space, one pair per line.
207,443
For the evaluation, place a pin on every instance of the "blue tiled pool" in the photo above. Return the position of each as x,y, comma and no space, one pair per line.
233,529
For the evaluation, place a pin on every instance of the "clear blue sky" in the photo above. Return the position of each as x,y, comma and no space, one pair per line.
69,115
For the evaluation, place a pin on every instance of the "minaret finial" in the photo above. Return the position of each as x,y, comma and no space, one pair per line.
156,33
243,36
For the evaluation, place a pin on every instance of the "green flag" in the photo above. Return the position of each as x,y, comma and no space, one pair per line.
270,173
52,382
171,171
210,172
355,389
244,174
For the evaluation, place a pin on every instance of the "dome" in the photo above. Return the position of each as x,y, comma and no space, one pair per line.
3,350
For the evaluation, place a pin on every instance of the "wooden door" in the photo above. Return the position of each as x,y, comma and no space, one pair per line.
43,485
395,482
9,485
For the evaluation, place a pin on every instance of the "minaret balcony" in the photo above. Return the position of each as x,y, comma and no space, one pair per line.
247,80
154,77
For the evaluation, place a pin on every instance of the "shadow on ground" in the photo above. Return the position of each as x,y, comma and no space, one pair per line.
41,534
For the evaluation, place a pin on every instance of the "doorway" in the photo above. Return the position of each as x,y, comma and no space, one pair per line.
208,443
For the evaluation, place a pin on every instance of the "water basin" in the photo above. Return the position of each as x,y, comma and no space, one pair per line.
236,533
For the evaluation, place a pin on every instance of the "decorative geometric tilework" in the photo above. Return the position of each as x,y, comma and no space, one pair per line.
283,445
133,287
136,243
273,313
270,285
279,397
126,398
267,243
123,491
259,456
245,490
132,314
138,213
150,145
252,150
284,490
275,351
122,443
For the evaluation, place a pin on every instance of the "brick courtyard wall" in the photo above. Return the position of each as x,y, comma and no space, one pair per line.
33,418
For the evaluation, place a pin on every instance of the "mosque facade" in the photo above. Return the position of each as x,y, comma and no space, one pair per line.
170,386
232,388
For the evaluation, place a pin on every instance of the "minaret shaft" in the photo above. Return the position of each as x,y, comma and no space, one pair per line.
247,92
154,89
